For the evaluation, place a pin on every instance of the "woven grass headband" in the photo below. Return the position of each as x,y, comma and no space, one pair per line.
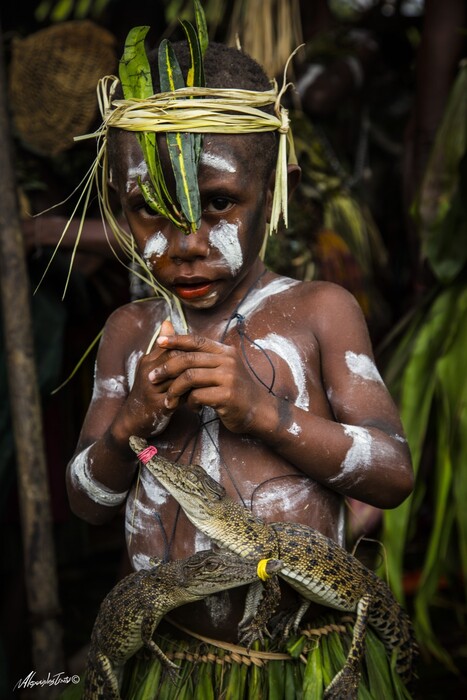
183,111
204,110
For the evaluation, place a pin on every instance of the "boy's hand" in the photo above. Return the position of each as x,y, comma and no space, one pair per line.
145,406
206,373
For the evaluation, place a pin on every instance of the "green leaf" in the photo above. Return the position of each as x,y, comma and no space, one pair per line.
313,683
180,144
134,70
439,202
201,26
136,80
195,77
276,680
418,388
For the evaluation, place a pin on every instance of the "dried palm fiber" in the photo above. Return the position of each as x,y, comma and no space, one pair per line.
302,667
52,81
268,30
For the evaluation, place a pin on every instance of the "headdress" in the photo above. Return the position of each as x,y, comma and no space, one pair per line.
183,111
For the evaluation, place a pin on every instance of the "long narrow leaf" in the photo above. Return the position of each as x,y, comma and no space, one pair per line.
180,144
418,388
201,26
195,77
136,80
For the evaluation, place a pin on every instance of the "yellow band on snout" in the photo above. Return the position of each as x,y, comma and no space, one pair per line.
261,570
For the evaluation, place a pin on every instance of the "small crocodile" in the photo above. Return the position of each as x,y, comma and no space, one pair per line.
313,564
132,610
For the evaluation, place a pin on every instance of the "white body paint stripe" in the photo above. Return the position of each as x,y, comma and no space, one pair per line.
83,479
283,347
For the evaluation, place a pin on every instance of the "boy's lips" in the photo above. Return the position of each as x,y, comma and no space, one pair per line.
192,288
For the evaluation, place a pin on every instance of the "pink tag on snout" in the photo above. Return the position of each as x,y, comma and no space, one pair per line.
148,453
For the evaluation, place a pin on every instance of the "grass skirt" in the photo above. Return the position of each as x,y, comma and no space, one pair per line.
302,668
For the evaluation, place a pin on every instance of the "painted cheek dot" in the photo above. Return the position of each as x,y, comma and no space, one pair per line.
155,246
224,237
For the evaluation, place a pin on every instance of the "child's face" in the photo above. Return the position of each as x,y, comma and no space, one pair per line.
204,267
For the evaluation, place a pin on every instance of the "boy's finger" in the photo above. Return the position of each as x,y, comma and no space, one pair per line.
190,342
180,362
166,328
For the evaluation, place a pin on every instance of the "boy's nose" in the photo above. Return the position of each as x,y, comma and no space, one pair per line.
189,247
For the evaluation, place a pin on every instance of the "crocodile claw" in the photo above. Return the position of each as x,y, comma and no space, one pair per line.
252,632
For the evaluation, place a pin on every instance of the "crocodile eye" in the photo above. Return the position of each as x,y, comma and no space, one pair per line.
211,565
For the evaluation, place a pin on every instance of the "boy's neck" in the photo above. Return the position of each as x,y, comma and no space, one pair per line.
213,321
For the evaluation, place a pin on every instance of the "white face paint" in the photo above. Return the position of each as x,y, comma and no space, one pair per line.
359,454
294,429
110,387
363,366
224,237
134,172
284,348
155,246
217,162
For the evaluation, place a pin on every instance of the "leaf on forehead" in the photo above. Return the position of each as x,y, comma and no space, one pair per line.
180,144
201,27
136,80
134,70
195,77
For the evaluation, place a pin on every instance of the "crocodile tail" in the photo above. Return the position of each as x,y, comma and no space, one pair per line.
100,681
395,629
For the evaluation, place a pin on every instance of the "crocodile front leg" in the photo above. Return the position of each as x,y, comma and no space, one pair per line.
148,626
344,685
262,601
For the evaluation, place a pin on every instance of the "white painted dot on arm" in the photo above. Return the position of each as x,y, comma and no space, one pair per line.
362,366
358,455
109,387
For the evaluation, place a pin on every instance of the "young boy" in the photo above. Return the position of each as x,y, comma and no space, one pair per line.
272,388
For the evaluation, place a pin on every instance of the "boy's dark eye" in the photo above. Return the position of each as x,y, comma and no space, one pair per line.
219,204
147,209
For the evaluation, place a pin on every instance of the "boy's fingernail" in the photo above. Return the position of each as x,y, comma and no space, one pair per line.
153,374
168,404
162,340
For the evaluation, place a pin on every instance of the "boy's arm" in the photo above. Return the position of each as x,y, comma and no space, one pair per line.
360,453
103,467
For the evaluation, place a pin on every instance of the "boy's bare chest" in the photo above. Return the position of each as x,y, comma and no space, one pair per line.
281,354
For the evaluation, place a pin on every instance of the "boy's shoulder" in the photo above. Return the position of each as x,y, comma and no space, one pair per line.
316,295
137,311
137,319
